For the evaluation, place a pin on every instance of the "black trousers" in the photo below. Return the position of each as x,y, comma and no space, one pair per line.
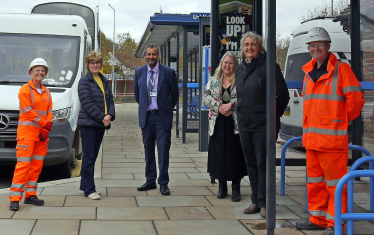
254,149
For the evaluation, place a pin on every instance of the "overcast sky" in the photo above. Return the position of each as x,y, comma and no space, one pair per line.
133,15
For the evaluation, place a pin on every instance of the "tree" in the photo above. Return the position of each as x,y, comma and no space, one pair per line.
106,49
324,10
282,45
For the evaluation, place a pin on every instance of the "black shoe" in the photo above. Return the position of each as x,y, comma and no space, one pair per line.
147,186
164,189
236,193
14,206
34,201
329,231
222,189
307,225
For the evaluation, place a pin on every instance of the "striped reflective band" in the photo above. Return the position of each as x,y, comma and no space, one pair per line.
28,123
15,193
22,146
351,88
23,159
332,182
32,95
18,186
335,76
324,97
37,119
26,109
337,120
30,190
37,157
44,113
32,183
316,179
330,217
318,213
49,110
324,131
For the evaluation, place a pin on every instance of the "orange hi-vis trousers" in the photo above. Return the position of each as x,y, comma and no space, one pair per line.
324,170
30,156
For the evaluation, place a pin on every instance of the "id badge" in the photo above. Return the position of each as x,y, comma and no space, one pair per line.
153,93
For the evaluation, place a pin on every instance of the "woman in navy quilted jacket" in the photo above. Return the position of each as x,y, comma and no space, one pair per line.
96,113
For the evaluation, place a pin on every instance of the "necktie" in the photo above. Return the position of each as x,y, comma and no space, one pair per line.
150,87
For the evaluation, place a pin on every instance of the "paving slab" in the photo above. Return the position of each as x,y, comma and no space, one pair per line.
172,201
292,189
282,227
188,182
301,199
131,213
299,211
203,227
174,176
361,197
226,202
244,191
64,213
198,176
188,213
117,228
72,201
123,160
183,191
5,213
295,181
14,226
48,201
110,176
180,159
118,183
121,164
120,170
66,190
47,227
126,192
285,201
179,170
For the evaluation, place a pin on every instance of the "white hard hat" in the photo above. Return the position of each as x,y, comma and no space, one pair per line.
317,34
38,61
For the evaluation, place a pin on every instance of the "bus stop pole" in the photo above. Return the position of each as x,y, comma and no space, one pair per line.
270,115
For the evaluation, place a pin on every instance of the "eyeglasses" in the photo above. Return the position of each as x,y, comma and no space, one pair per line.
95,63
39,70
314,46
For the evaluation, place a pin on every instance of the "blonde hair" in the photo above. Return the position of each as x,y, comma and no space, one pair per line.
93,55
219,72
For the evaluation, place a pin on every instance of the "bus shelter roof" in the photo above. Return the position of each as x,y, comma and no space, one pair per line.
164,27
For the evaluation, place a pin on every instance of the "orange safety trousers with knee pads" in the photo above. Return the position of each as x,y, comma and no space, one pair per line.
35,112
30,156
324,170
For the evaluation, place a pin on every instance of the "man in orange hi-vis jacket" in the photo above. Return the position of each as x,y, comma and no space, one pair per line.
332,99
34,125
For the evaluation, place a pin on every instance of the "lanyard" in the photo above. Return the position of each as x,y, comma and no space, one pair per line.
154,80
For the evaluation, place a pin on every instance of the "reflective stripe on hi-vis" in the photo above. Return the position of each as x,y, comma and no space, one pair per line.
305,84
23,159
19,186
37,157
45,113
37,119
30,190
22,146
316,179
49,95
337,120
28,123
351,88
32,183
330,217
32,95
15,193
332,182
25,109
324,131
318,213
324,97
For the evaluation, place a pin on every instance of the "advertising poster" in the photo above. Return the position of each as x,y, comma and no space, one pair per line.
235,18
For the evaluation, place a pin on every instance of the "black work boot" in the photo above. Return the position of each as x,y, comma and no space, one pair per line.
14,206
34,201
222,189
236,191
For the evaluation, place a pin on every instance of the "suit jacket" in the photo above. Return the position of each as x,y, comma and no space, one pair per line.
167,94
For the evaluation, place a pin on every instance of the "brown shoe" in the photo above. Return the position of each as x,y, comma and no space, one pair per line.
252,209
263,212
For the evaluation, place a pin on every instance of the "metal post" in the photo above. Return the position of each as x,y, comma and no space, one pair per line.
357,126
270,116
257,16
214,40
177,112
169,53
185,80
114,39
332,8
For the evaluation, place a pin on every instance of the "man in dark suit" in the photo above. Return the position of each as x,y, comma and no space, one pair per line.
156,91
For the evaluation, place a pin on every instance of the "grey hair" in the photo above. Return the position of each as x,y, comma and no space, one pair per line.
256,37
151,46
219,71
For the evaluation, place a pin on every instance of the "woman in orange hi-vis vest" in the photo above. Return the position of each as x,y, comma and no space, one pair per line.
332,99
34,125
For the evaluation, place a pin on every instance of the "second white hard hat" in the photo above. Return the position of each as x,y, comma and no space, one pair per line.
37,62
317,34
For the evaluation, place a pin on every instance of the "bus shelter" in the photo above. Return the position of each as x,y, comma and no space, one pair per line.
177,36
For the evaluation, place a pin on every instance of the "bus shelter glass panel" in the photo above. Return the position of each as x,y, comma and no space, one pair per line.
367,52
18,50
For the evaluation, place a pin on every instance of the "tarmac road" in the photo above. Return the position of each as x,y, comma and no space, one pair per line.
6,174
